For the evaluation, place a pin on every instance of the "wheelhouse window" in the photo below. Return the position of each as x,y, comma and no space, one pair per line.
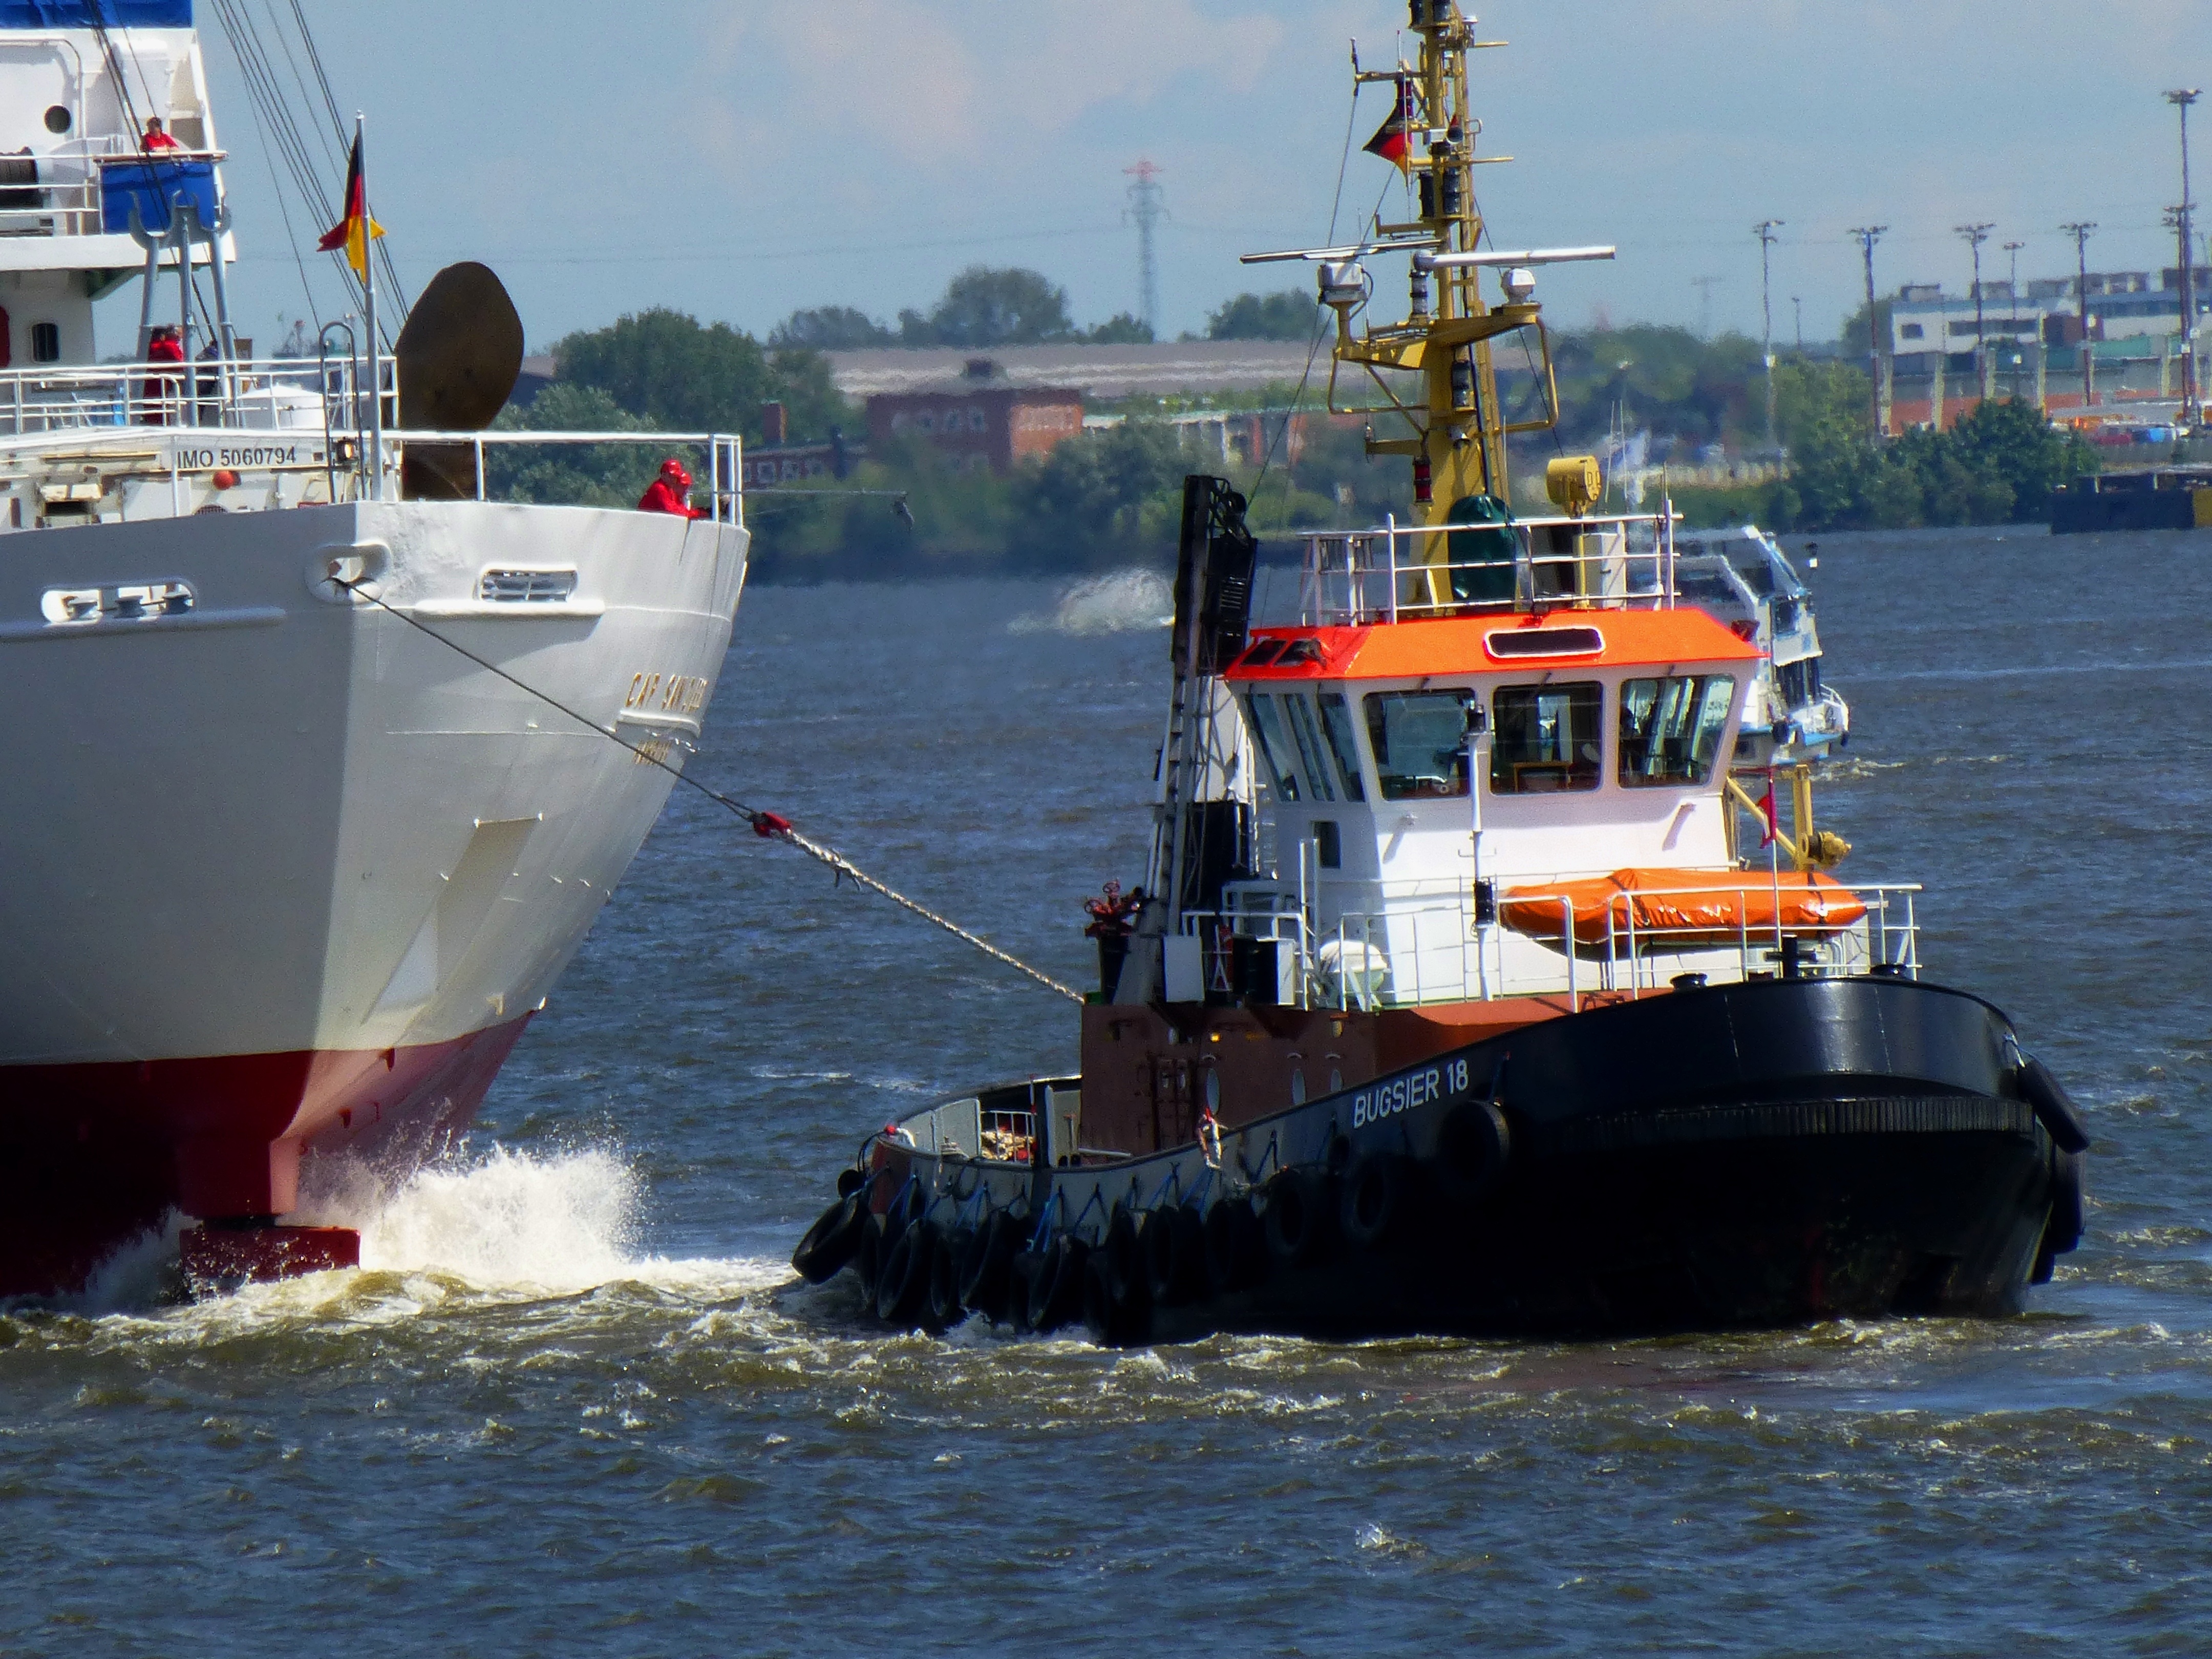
1312,763
1544,739
1420,740
1336,720
1670,729
1274,744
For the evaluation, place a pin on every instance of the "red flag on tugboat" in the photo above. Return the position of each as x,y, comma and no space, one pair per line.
355,231
1392,140
1770,824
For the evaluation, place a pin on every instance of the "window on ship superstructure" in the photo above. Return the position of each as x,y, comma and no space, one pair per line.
1420,740
1544,739
1274,745
1670,729
1343,743
1312,763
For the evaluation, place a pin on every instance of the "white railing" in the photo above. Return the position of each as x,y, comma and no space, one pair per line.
125,407
63,193
303,393
726,457
1425,948
1397,572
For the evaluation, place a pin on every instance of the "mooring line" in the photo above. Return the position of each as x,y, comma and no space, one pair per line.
769,826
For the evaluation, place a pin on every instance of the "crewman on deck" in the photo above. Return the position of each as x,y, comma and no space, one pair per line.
162,390
670,492
157,136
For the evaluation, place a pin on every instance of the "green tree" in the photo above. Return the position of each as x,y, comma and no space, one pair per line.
990,306
672,371
1293,314
1092,493
830,328
2010,441
1121,329
1667,379
571,475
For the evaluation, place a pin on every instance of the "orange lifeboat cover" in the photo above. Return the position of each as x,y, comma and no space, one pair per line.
1688,906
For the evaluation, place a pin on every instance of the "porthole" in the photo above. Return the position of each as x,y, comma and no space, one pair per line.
57,119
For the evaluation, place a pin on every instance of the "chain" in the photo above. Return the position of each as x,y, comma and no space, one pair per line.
768,825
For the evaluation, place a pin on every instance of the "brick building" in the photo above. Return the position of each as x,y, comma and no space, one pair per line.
979,419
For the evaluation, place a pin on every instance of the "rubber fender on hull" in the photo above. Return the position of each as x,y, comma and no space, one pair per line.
850,1182
1056,1285
1374,1199
875,1249
1111,1321
1301,1216
2054,1107
831,1242
1175,1255
944,1275
1124,1250
1235,1248
2068,1201
986,1269
1021,1288
903,1284
1472,1149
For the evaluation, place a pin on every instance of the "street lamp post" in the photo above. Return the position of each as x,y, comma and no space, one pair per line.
1976,235
1765,230
2192,409
1868,235
2080,232
2012,285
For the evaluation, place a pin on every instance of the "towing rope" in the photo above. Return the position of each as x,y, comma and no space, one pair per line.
769,826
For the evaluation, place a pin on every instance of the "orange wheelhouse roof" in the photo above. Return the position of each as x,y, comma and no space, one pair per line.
1490,645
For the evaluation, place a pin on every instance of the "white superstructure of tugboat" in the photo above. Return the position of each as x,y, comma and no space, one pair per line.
1476,983
286,871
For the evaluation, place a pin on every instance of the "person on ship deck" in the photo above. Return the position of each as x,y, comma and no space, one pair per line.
157,136
670,492
161,391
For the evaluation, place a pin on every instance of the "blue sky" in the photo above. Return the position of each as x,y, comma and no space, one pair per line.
740,158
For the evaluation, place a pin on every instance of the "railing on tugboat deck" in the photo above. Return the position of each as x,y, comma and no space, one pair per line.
1400,572
1404,955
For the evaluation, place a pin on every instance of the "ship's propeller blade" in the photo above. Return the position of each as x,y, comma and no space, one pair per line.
459,353
459,357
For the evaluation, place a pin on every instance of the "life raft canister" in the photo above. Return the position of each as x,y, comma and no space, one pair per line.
1683,907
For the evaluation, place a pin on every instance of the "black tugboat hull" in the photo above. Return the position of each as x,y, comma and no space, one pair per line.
1763,1154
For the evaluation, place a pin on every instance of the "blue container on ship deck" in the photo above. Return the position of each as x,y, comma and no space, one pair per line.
153,184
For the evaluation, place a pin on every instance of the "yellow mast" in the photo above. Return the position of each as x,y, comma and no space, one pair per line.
1458,445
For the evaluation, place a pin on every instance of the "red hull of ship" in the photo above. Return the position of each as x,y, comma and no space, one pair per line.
95,1156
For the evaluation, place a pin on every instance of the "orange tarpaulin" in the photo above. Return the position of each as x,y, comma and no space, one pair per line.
1682,907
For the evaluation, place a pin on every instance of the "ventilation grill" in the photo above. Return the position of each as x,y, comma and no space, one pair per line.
526,587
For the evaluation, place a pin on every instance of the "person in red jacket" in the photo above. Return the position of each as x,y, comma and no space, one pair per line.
157,137
161,390
670,492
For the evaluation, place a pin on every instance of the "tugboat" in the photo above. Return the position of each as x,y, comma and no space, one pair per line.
1469,989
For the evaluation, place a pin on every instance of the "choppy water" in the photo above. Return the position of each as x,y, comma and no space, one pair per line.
574,1403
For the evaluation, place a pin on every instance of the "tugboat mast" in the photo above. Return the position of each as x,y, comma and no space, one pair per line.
1455,427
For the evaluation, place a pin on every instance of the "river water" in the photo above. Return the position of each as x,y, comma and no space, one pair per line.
574,1401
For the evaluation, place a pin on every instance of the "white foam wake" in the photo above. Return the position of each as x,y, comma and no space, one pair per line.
563,1221
1125,601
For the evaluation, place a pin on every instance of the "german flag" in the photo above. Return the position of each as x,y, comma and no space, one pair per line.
355,232
1392,140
